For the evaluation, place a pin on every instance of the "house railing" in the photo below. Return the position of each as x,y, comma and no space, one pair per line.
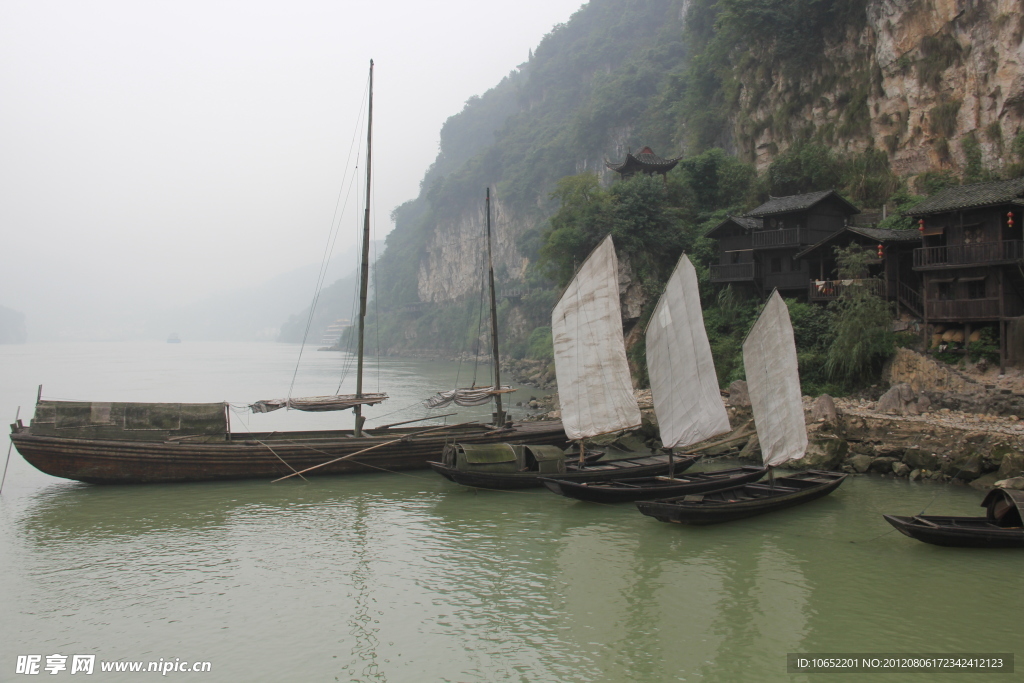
734,272
910,298
969,254
963,309
781,238
830,290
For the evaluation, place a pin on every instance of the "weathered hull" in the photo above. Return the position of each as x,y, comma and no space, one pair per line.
647,466
256,456
652,488
749,500
958,532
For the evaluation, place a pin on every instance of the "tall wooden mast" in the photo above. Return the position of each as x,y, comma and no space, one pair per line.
499,416
364,272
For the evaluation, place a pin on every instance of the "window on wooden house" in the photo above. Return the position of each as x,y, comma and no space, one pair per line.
776,264
944,290
975,288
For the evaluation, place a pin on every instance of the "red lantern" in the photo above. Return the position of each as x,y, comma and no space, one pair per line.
1009,219
920,225
881,251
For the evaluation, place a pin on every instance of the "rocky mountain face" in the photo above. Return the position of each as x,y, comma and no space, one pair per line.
937,85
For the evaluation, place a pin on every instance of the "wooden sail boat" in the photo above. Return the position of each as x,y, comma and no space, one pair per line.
476,396
769,356
687,401
103,442
595,390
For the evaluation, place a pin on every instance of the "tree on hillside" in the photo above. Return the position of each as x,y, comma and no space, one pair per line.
863,338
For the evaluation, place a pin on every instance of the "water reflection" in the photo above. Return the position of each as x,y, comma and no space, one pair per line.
385,577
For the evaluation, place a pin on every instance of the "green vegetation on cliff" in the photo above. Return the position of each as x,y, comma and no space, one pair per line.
626,73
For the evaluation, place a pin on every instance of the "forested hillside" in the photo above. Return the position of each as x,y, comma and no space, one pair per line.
882,99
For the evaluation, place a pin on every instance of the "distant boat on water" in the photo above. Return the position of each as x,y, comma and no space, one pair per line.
173,338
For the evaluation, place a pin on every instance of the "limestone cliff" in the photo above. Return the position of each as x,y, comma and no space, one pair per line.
929,82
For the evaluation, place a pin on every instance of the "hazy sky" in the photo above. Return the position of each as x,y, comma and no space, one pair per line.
152,151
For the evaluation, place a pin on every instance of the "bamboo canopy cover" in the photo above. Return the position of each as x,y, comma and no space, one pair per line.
594,386
684,384
773,380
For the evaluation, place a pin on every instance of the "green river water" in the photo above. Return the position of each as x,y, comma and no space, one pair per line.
407,577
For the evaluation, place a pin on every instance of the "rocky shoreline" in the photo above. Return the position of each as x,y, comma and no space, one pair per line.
950,428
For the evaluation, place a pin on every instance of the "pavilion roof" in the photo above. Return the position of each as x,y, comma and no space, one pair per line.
645,161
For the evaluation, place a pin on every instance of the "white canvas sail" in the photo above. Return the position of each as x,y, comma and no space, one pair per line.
769,357
683,380
594,388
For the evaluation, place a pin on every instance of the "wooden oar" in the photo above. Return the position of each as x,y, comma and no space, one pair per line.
419,419
386,443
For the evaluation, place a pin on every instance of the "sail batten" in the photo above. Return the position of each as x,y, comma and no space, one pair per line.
773,381
594,386
684,383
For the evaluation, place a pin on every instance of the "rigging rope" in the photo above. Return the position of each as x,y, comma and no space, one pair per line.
332,236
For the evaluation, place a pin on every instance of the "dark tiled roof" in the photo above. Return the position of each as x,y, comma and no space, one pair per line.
884,235
798,202
742,221
874,234
644,160
972,196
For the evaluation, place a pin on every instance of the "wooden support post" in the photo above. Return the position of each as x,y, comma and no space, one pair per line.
1002,324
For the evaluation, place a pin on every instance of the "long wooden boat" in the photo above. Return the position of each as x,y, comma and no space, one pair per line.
1001,527
652,488
167,456
748,500
645,466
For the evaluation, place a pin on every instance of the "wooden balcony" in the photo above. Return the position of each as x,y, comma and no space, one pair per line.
830,290
792,237
959,310
734,272
983,253
735,243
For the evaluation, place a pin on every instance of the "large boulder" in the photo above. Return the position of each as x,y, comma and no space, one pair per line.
883,465
1012,465
896,400
824,410
920,460
965,466
861,463
739,397
985,481
1016,483
823,453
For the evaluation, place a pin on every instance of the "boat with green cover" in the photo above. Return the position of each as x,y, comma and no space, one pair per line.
508,466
